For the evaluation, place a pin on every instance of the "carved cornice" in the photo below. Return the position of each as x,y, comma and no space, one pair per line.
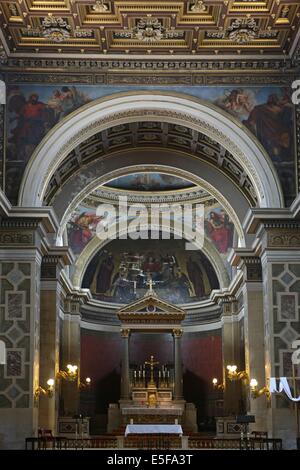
156,73
129,64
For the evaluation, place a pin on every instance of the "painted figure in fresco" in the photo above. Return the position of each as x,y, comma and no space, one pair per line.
122,289
182,286
219,231
238,102
31,117
271,123
195,274
82,229
104,275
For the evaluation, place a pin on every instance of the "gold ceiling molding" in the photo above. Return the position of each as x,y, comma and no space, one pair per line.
205,27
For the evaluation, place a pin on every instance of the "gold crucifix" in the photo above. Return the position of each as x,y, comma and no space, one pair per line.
151,363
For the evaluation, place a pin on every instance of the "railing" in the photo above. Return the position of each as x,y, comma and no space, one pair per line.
235,443
155,441
63,443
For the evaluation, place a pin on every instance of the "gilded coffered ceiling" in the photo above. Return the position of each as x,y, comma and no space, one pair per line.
167,27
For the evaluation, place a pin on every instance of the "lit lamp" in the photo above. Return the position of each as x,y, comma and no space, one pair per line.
45,391
69,374
234,374
255,392
86,383
216,385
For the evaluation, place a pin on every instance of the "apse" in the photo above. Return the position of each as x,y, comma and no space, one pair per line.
121,271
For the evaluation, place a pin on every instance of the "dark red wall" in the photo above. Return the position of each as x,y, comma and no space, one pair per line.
101,360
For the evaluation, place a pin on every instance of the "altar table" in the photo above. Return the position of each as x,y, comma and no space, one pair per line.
153,429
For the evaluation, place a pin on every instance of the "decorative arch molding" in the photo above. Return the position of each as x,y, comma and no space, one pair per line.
64,208
95,245
156,106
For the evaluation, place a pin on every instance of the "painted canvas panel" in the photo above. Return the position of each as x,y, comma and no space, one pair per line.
33,110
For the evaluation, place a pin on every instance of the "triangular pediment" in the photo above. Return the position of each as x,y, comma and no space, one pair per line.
151,303
151,308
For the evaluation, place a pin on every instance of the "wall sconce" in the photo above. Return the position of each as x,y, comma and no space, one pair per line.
86,383
234,374
255,392
45,391
70,374
216,385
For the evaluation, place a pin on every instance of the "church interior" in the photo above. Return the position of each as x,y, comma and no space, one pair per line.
119,335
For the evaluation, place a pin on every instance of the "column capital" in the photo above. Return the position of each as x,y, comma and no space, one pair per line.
125,332
74,300
26,228
249,262
177,332
54,261
276,229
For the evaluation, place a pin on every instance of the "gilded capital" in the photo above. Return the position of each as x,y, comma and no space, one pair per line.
177,333
125,332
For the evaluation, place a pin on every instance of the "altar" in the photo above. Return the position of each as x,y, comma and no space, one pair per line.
153,429
151,393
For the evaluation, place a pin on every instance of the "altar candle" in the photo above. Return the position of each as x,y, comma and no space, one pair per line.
135,373
140,374
159,375
143,374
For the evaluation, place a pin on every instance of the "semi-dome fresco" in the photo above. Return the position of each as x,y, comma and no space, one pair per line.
120,272
149,182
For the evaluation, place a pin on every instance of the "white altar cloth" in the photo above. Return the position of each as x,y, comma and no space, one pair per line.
153,429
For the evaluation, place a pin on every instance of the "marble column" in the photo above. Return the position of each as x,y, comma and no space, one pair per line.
279,250
71,352
178,385
231,350
252,292
125,382
281,277
21,250
50,325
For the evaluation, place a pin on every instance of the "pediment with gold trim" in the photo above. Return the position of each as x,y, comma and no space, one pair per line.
151,309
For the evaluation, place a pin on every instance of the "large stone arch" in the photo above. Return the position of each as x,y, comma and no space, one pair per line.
77,189
167,107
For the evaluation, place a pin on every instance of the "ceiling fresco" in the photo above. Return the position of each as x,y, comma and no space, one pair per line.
34,109
149,182
206,27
